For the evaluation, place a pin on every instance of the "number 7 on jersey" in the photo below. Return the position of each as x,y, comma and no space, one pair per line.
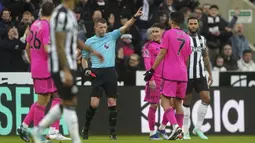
181,46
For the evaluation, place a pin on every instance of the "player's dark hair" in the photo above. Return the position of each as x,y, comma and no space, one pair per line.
177,17
247,51
214,6
47,8
192,18
100,20
159,25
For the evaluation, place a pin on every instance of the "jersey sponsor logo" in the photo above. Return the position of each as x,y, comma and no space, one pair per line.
197,49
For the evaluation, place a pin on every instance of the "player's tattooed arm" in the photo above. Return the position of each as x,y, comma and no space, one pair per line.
207,65
160,57
125,27
207,60
60,43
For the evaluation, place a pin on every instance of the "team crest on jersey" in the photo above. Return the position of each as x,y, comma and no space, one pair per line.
106,46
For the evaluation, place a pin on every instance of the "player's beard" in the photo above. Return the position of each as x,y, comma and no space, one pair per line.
192,32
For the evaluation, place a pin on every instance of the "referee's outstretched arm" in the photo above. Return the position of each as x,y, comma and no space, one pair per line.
124,28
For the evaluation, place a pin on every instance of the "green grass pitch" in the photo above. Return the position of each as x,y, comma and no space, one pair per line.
144,139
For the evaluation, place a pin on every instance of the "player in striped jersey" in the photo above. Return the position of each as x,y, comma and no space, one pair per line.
197,79
63,66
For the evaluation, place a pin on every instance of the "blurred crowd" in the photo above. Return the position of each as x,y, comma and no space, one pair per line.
229,49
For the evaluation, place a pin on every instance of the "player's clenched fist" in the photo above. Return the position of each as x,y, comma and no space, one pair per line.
148,75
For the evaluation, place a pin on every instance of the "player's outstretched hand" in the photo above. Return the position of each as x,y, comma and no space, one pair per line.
99,56
139,12
148,75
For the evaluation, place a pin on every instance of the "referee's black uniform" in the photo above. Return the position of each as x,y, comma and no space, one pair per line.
63,20
196,71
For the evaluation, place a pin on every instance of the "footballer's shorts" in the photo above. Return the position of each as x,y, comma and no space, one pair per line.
65,92
105,81
199,84
152,96
44,86
173,89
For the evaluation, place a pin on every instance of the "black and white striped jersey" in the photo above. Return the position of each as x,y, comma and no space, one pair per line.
63,20
196,62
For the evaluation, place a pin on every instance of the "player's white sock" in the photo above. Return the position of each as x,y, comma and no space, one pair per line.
53,115
202,109
71,120
162,127
186,119
52,130
153,132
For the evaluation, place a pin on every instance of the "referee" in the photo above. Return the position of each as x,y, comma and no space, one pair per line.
106,76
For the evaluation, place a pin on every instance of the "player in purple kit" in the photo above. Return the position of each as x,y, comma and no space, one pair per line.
174,54
37,47
150,52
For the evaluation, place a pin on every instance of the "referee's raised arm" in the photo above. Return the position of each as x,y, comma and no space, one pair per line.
124,28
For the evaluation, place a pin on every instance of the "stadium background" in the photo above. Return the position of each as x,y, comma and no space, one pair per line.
230,113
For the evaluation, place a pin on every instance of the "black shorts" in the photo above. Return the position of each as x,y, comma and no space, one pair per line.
199,84
106,80
65,92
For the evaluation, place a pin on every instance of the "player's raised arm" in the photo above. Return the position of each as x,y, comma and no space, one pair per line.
124,28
